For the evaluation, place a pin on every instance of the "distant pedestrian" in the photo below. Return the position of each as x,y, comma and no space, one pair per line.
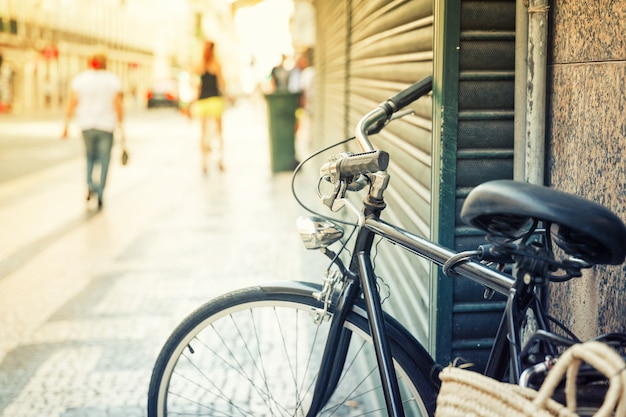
301,81
280,75
96,100
210,104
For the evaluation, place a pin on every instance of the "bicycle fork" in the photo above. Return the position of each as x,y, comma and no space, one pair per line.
336,349
379,337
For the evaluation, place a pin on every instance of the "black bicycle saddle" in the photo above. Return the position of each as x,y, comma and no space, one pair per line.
580,227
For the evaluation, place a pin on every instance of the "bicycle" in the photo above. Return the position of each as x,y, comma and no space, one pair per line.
329,349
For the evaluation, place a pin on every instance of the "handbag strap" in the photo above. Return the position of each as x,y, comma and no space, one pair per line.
604,359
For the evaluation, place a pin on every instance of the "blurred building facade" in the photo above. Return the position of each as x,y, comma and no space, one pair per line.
44,43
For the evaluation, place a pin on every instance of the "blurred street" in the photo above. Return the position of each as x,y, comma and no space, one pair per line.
88,297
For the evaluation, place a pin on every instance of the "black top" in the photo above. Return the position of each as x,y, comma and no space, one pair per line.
208,85
281,78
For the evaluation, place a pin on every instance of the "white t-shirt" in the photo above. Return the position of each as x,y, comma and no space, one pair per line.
307,78
96,91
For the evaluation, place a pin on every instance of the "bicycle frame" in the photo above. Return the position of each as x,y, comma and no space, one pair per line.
506,350
520,289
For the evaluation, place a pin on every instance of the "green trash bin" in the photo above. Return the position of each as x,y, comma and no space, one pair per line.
281,111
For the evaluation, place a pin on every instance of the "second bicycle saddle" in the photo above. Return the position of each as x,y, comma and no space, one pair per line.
582,228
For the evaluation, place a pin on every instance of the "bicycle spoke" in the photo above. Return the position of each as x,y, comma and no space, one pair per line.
262,359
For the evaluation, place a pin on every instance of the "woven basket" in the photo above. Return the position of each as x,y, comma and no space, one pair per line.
468,393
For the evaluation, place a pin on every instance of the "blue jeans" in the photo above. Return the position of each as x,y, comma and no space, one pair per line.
98,145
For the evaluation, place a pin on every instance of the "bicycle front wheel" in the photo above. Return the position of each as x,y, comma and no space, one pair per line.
256,352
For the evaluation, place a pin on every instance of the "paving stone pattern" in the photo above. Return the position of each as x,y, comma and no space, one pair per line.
87,298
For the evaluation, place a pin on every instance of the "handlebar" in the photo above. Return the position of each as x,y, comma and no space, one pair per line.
347,166
375,120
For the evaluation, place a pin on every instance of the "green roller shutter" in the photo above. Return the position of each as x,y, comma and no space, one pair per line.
367,51
391,47
475,82
330,61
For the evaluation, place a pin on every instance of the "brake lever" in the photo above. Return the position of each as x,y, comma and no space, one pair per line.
394,116
400,114
335,201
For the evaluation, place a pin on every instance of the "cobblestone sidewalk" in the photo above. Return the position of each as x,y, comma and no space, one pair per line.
93,295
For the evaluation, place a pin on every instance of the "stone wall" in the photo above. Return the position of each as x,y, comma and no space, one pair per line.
586,143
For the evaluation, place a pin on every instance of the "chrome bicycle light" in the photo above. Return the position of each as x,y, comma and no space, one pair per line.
317,232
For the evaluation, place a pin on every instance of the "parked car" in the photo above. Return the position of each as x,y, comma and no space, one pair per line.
163,93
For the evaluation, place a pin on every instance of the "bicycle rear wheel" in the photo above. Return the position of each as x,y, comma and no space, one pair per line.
256,352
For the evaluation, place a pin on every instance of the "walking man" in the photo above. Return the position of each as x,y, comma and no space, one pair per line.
96,100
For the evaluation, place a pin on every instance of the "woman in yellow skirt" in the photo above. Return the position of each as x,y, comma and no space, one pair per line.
210,102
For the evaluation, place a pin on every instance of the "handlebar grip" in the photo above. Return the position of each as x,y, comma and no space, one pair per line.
363,163
409,95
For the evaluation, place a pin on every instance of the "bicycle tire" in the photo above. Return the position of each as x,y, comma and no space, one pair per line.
262,368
